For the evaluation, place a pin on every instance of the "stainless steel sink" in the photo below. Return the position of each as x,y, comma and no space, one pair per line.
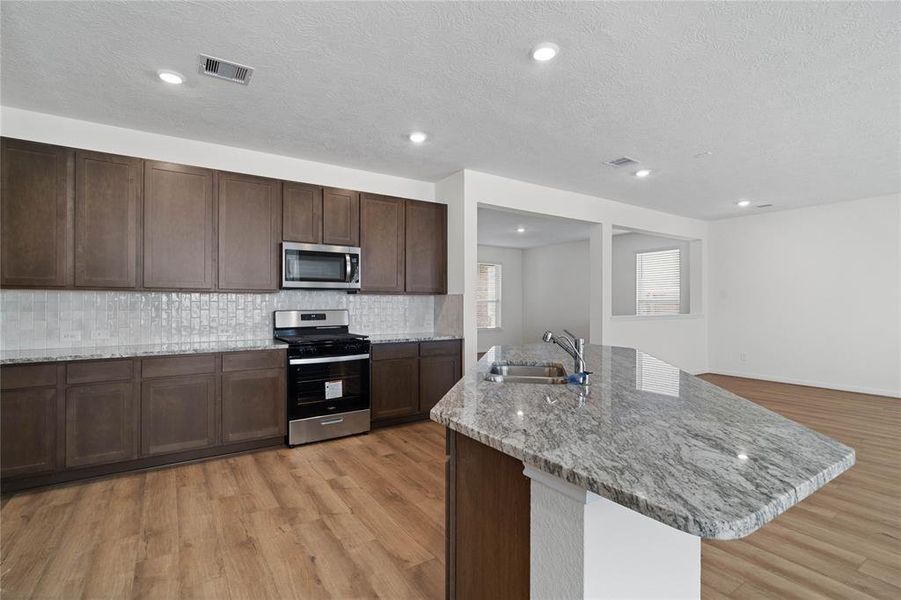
544,373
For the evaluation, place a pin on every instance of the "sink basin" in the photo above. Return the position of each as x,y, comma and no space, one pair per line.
544,373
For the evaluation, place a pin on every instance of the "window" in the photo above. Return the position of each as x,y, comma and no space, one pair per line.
488,311
657,282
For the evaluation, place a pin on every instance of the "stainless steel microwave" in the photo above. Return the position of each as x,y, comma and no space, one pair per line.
319,266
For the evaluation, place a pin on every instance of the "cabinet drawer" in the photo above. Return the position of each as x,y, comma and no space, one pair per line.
392,351
441,348
14,377
247,361
100,370
178,365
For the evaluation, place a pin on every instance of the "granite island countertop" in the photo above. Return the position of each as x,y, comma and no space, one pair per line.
41,355
648,436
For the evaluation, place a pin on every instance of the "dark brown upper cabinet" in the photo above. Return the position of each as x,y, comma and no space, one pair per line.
107,212
178,226
426,248
340,217
36,204
382,243
250,227
302,213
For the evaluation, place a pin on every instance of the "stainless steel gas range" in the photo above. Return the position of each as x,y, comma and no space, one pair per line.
328,375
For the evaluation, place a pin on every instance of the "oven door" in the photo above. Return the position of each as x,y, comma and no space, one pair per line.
320,266
327,385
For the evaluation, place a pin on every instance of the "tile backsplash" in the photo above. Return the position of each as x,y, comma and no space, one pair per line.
63,319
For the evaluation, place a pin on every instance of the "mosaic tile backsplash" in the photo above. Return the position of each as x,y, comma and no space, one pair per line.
67,319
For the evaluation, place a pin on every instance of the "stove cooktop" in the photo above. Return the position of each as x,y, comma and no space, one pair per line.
318,338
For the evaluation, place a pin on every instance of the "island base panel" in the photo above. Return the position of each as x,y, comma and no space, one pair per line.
585,546
487,522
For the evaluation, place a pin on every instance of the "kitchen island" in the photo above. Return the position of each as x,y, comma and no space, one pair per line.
605,491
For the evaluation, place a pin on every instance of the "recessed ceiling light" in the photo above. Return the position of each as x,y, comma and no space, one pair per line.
171,77
418,137
742,456
520,230
704,154
545,51
744,203
642,172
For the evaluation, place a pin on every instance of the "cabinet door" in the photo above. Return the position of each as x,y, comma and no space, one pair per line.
107,209
35,214
437,375
254,405
425,247
178,413
302,213
250,225
395,388
178,226
382,244
340,217
28,430
101,424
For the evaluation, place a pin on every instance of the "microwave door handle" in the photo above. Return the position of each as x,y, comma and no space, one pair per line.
347,268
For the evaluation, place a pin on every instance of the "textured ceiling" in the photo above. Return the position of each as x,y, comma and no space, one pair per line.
498,228
798,102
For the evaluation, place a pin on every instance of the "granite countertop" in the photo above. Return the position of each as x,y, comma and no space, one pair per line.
12,357
391,338
650,437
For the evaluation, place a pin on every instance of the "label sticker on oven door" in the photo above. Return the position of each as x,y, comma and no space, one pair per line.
334,389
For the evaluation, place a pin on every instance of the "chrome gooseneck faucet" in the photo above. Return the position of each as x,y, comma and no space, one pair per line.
573,346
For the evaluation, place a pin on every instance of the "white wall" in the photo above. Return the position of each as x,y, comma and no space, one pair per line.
51,129
555,290
810,296
511,261
682,344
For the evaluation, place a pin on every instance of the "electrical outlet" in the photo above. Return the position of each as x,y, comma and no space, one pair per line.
742,357
70,336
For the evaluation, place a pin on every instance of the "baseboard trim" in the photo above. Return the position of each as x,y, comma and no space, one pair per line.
894,395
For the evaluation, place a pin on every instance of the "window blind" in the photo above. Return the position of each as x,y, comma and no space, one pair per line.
657,282
488,306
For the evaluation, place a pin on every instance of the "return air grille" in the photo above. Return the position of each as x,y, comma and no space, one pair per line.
622,161
223,69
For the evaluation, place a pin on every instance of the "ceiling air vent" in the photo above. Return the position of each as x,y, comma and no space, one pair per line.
222,69
622,161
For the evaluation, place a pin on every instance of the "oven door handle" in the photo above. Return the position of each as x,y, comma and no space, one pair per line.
327,359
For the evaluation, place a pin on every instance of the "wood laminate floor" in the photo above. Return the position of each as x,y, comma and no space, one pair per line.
364,517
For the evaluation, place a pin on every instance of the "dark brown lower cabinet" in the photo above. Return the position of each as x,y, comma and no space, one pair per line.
101,423
437,375
70,420
408,379
27,431
254,405
395,388
178,413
